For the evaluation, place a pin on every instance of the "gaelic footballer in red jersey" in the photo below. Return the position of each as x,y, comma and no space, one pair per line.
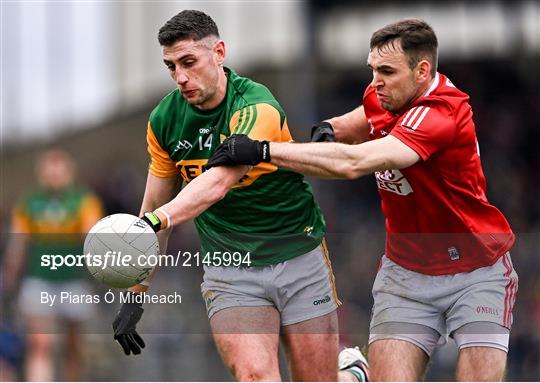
447,270
438,219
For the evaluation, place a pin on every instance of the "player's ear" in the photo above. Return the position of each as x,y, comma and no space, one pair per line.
219,51
423,70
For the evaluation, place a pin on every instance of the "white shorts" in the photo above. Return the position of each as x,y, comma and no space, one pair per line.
32,305
300,288
474,308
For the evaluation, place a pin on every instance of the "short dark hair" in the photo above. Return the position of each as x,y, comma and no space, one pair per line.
188,24
416,37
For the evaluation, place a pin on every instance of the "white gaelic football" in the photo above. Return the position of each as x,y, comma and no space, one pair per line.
121,250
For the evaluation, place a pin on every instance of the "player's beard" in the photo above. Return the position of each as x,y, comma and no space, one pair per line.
386,106
200,97
193,97
389,107
395,106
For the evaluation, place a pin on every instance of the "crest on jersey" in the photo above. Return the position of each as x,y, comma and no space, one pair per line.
182,145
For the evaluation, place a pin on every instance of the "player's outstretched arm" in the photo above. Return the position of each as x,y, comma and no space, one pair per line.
201,193
328,160
341,160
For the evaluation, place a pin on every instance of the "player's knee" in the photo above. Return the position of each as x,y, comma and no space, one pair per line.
479,364
40,344
256,376
481,374
254,372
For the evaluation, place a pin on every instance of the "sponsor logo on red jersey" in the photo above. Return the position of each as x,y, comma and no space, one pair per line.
393,181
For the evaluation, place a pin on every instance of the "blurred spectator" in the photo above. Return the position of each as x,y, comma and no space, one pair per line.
50,219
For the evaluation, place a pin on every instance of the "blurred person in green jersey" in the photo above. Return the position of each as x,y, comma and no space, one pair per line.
280,285
50,219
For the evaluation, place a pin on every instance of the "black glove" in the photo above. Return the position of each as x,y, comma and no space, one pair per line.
152,220
124,326
322,132
239,149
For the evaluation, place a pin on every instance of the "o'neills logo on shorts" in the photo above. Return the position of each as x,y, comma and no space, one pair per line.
487,310
326,299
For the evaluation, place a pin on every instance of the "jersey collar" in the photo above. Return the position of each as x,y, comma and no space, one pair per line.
434,85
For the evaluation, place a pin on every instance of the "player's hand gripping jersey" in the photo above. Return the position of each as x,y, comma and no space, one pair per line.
438,219
270,212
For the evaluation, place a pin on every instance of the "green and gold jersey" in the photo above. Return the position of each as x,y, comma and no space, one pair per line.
55,223
270,212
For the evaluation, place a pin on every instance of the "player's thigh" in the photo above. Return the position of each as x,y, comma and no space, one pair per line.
483,347
250,352
41,334
71,311
479,364
486,298
312,348
406,309
304,287
396,360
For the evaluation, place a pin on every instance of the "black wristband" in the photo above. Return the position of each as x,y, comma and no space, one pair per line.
265,151
153,220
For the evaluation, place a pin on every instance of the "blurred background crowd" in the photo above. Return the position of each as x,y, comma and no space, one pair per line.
84,77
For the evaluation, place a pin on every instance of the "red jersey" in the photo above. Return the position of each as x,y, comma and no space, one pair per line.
438,219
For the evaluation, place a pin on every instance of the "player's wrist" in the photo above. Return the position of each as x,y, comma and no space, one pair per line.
166,219
139,288
264,151
275,150
153,220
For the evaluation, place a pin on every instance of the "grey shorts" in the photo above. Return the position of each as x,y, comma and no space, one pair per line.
474,308
32,305
300,288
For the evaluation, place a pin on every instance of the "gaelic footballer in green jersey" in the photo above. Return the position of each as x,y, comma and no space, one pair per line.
270,212
50,220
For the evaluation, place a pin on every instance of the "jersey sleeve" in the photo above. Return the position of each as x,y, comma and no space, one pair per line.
91,211
20,221
426,128
259,122
161,164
